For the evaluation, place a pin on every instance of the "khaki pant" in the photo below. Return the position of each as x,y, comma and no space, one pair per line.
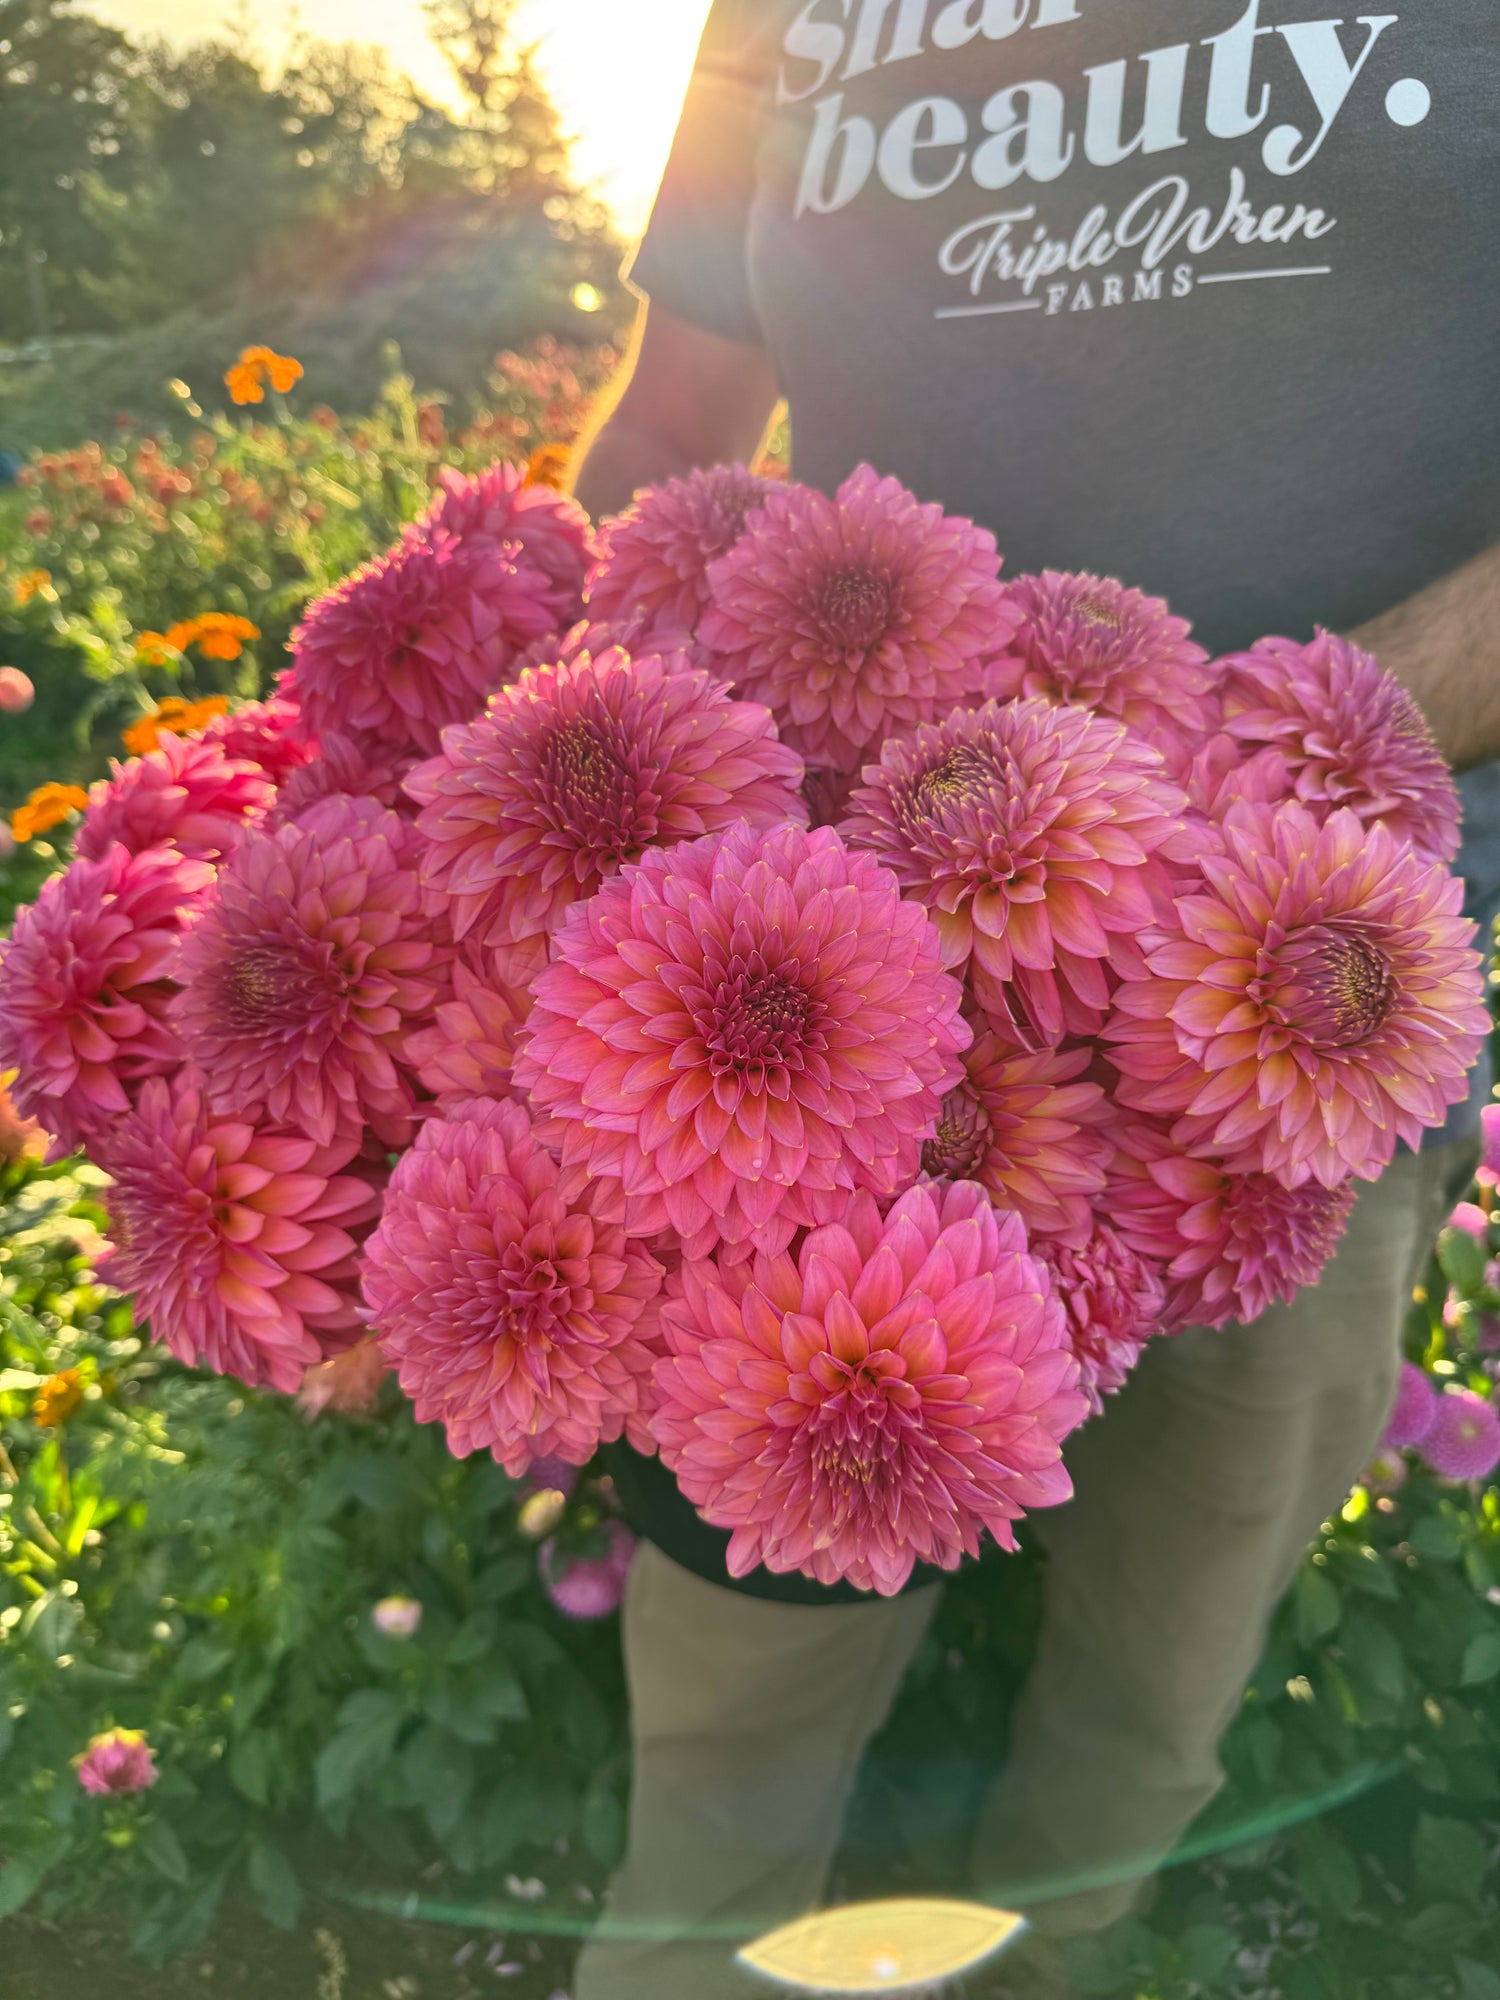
1196,1495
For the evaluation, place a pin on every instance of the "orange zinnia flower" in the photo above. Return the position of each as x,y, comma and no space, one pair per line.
58,1397
48,806
32,584
221,635
172,716
257,365
548,466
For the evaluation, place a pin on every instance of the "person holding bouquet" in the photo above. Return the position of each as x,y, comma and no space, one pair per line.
1202,305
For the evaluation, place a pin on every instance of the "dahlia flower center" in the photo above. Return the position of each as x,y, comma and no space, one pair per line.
965,774
1335,985
534,1295
759,1020
854,1439
956,1151
856,607
1094,611
592,788
261,986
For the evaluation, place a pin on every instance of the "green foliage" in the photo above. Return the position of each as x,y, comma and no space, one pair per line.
186,1557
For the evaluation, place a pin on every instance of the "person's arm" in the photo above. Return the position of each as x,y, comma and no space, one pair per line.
683,398
1443,645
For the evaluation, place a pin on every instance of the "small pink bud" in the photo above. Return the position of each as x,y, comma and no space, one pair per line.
397,1617
16,691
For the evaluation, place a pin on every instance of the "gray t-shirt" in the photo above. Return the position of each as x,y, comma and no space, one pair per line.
1202,294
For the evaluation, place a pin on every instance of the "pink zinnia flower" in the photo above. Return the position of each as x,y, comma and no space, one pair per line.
578,768
1090,641
313,961
1028,831
1472,1220
415,640
1317,1002
900,1387
1026,1126
549,530
1387,1472
86,978
654,557
1349,733
1463,1440
1488,1173
1115,1302
856,617
184,794
509,1313
235,1240
588,1587
1415,1407
119,1760
468,1047
1231,1245
263,733
739,1032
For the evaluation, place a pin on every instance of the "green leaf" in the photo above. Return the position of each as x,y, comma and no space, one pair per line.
603,1824
161,1847
275,1883
1326,1870
1318,1606
1462,1261
1476,1981
1481,1659
1373,1655
455,1708
250,1768
203,1658
363,1741
1436,1537
507,1820
20,1879
1451,1856
1207,1950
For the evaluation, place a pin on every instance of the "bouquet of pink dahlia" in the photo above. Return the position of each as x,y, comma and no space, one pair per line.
755,982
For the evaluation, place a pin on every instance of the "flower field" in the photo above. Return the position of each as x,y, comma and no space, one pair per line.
684,995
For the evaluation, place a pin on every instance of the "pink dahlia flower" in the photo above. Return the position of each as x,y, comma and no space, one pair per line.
509,1313
235,1240
342,765
632,635
468,1047
1488,1174
1115,1302
1415,1408
263,733
184,794
578,768
1464,1439
1028,830
1349,733
120,1760
740,1031
86,978
1222,773
654,557
1319,1000
313,961
900,1387
588,1587
548,532
1231,1245
856,617
1026,1126
1090,641
414,640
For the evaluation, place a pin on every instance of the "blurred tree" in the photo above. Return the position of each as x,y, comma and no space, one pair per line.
70,90
528,149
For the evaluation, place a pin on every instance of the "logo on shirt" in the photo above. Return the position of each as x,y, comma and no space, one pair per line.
1163,240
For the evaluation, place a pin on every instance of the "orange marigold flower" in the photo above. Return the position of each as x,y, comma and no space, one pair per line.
243,383
246,379
284,372
31,585
58,1397
221,635
153,649
172,716
548,466
48,806
181,635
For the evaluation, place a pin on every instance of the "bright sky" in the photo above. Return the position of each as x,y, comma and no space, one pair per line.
617,68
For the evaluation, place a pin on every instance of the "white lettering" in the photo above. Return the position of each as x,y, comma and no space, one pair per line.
906,41
1329,76
961,20
930,123
814,41
1050,12
1038,144
1104,143
1083,299
1055,296
1229,115
1147,285
1182,280
1114,291
853,140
